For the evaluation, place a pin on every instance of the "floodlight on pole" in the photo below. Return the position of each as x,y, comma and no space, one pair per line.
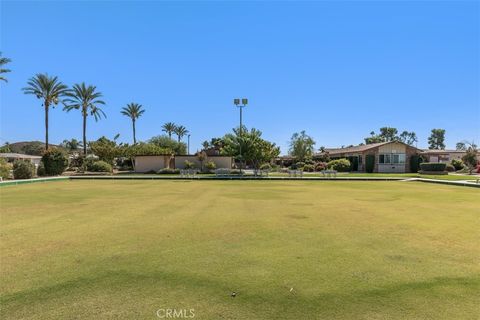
240,103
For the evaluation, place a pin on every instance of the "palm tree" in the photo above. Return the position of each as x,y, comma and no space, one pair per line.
87,100
50,90
134,111
71,145
4,61
180,131
169,128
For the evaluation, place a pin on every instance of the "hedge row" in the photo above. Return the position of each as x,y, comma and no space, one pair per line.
433,166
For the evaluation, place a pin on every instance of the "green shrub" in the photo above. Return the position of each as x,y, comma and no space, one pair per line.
433,166
369,163
41,170
415,161
55,162
5,168
340,165
458,164
320,166
309,168
100,166
23,169
450,168
189,164
299,165
169,171
210,166
266,166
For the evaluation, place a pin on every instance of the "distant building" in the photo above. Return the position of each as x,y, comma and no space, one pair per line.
442,155
391,156
11,157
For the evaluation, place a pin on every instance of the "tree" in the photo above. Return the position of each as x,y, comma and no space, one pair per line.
87,100
409,138
167,143
470,159
437,139
301,146
4,61
255,150
201,156
180,131
106,150
169,128
388,133
134,111
71,145
51,90
5,148
464,145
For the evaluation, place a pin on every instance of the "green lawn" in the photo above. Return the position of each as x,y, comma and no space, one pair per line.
290,249
461,177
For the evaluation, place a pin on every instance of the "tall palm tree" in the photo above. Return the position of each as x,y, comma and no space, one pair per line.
169,128
51,90
4,61
180,131
134,111
87,100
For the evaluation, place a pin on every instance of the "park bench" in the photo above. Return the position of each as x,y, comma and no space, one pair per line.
188,173
295,173
329,173
261,172
222,172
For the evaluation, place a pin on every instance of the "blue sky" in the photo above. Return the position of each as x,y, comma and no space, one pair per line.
335,69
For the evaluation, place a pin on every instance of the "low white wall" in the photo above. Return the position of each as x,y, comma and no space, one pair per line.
149,163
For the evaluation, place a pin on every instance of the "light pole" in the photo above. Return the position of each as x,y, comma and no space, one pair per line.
188,144
240,104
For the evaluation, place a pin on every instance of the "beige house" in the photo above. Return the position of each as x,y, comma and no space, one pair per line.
391,156
144,164
442,155
11,157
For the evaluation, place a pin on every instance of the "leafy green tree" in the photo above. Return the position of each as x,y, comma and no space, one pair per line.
134,111
167,143
107,150
301,146
5,148
409,138
87,100
437,139
464,145
169,128
388,133
50,90
3,62
254,149
180,131
71,145
470,159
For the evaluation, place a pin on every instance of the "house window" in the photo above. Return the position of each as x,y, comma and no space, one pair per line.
391,158
359,159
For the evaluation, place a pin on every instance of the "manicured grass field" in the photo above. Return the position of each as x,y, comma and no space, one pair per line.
290,249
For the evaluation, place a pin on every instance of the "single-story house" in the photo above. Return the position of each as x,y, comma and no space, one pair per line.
442,155
391,156
11,157
146,163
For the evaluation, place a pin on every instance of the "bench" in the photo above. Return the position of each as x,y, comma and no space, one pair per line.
295,173
188,173
222,172
329,173
261,172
